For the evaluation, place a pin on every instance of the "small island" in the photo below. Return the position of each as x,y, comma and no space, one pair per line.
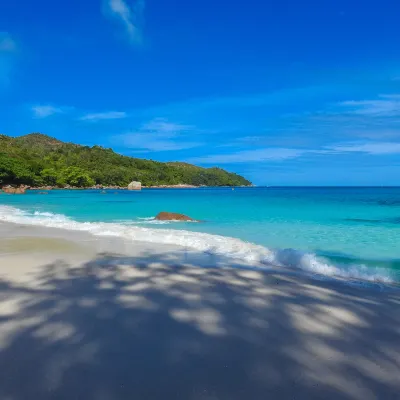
40,161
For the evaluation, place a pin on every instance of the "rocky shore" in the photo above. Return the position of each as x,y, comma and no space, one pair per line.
23,188
15,190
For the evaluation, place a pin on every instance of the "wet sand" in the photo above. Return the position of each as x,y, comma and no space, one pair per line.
84,317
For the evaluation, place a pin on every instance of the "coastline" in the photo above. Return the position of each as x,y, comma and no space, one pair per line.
26,238
206,243
24,188
104,315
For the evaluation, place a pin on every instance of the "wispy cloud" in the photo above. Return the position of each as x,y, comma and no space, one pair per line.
104,116
158,135
375,118
131,17
258,155
250,139
8,51
281,154
164,127
154,143
242,102
378,134
44,111
373,148
7,43
385,105
391,96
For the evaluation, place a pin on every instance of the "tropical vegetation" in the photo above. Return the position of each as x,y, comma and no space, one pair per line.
38,160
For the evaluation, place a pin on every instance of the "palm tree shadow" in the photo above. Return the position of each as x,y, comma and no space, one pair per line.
119,327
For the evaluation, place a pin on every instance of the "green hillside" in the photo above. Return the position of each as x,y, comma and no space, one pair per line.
37,160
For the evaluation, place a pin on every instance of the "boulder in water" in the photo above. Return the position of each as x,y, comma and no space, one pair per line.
168,216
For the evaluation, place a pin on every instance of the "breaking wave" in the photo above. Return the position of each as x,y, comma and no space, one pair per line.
204,242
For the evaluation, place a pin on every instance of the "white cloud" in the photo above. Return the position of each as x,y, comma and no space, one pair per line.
130,17
251,139
373,148
164,127
259,155
384,106
8,51
277,154
7,43
104,115
158,135
43,111
378,134
229,104
391,96
152,142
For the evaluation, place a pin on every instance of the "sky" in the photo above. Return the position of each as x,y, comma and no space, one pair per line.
284,92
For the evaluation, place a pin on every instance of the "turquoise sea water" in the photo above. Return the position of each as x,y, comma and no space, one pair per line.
352,232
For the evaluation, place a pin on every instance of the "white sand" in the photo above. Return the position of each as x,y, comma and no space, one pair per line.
84,317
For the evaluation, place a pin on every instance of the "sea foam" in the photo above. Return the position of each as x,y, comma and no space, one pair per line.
203,242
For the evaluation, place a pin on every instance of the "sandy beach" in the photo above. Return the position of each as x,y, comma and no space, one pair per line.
84,317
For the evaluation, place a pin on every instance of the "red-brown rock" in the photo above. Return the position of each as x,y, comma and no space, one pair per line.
12,190
168,216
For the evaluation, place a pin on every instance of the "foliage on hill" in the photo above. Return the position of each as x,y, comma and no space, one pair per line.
37,159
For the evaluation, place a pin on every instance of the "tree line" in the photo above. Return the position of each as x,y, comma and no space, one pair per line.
39,160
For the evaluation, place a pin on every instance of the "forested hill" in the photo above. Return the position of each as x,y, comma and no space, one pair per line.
37,160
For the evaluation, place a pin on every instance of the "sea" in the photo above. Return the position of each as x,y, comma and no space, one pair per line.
349,232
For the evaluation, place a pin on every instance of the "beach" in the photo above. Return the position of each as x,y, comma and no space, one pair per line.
89,317
340,232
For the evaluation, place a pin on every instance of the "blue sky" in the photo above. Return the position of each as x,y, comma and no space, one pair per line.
283,92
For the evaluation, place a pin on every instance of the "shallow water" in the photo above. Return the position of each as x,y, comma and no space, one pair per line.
351,232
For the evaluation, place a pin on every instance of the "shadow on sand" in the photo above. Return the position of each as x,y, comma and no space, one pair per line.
135,328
